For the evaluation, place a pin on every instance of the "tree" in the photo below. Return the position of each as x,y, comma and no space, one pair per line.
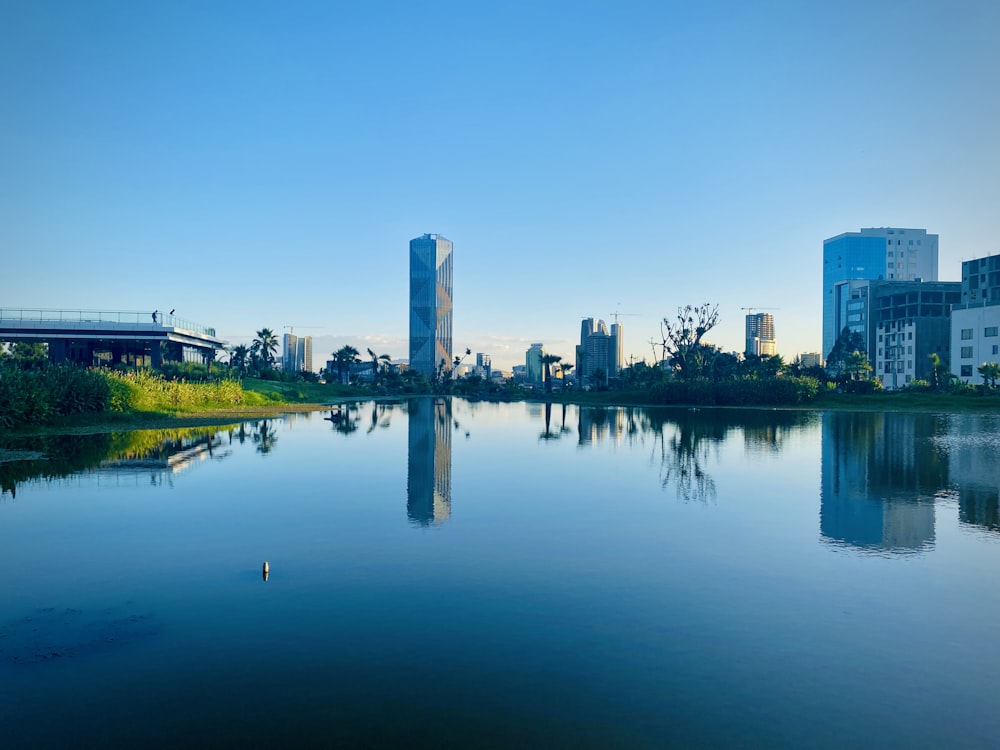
681,340
846,344
547,361
239,359
343,358
564,370
856,366
263,348
940,372
989,371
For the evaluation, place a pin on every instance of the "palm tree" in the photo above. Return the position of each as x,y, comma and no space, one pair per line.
564,370
239,359
989,371
263,348
547,361
344,357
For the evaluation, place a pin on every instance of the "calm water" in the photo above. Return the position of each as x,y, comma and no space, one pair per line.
447,574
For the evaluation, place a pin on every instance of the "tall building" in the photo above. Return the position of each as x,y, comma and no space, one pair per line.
533,364
296,353
872,254
760,335
430,303
599,349
975,321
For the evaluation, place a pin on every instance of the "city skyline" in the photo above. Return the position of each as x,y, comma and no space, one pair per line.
587,161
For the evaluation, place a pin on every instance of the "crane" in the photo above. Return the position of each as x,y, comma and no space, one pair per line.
291,329
750,310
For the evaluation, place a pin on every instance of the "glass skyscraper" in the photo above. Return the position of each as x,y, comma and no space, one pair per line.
430,303
871,254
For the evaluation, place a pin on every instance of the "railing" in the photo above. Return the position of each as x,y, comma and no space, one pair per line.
118,317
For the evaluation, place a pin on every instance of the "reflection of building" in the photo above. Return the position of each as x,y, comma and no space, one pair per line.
430,303
760,335
880,475
972,444
888,254
428,480
596,424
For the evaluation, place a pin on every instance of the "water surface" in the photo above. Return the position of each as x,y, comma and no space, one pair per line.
444,573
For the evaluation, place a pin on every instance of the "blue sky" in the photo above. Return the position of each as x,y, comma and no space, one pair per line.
261,164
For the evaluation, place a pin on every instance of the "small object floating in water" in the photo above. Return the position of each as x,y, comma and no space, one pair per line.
265,571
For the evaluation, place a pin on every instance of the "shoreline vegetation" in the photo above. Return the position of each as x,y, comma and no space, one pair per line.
50,399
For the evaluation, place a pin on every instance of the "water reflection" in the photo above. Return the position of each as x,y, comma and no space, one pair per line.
880,477
686,441
972,443
428,474
158,453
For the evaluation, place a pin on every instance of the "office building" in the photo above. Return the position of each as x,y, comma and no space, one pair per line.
975,321
599,350
760,335
912,321
533,368
887,254
430,303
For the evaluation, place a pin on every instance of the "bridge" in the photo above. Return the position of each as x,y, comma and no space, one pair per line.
110,337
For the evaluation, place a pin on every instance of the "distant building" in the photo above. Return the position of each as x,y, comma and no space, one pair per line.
975,321
599,350
484,365
430,302
760,335
519,373
533,364
296,353
811,359
886,254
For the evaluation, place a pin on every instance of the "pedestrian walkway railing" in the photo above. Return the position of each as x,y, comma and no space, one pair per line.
12,315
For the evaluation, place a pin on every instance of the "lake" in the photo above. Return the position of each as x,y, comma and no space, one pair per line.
451,574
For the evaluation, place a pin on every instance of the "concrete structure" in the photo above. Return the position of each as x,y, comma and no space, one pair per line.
599,349
296,353
533,368
888,254
975,321
108,337
811,359
760,335
430,303
911,322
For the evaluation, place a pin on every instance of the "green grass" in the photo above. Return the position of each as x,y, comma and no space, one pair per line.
303,393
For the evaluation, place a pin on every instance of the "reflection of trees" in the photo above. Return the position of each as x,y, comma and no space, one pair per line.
971,444
547,434
682,454
264,435
685,439
65,455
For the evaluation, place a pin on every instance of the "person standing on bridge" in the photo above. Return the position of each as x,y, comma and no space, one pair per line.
154,315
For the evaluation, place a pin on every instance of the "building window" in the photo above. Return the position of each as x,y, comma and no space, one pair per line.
966,352
966,371
995,348
966,334
909,350
990,331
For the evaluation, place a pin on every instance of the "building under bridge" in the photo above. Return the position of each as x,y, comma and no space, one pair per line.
102,337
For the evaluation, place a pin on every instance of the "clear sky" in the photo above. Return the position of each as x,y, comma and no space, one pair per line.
261,164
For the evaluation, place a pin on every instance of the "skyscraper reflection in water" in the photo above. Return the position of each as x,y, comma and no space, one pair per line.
881,475
428,475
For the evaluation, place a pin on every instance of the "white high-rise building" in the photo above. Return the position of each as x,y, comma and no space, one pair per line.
760,335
